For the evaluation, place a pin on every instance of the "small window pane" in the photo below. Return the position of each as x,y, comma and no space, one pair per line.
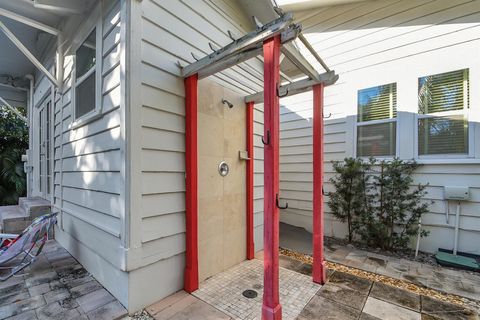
377,103
85,96
85,55
376,140
443,135
443,92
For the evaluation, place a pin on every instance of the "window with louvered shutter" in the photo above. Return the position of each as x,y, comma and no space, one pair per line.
443,101
376,121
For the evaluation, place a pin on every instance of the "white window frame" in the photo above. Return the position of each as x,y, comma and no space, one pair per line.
94,22
371,122
465,112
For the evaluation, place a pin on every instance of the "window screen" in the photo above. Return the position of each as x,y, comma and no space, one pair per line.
376,139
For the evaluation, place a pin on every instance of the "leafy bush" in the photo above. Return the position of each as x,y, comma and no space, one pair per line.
349,202
13,143
381,207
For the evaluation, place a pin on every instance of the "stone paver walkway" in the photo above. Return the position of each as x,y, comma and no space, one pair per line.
458,282
344,297
56,286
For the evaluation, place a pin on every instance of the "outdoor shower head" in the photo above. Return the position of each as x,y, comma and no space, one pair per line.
229,104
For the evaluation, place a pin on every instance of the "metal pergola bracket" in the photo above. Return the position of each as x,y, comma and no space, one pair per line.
327,78
240,46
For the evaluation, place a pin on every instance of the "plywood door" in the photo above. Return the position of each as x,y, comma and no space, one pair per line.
221,200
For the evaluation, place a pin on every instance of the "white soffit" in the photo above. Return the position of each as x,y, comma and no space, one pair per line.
298,5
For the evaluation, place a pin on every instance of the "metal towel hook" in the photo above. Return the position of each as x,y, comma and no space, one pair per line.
268,138
228,103
278,92
278,204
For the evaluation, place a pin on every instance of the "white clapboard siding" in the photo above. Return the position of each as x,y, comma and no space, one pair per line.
89,159
372,44
258,157
171,31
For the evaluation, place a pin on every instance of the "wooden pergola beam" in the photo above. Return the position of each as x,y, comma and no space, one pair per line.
244,44
286,36
327,78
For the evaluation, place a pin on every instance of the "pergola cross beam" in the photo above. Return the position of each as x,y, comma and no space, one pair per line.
327,78
243,48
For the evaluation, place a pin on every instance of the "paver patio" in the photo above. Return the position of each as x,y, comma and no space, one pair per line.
56,286
458,282
344,297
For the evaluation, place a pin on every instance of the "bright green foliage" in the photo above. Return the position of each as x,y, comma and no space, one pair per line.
13,143
379,201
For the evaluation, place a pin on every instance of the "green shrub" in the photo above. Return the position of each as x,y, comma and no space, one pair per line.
13,143
379,201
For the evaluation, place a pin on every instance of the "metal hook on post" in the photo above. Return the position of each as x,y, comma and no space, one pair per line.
278,92
278,204
268,139
283,95
329,115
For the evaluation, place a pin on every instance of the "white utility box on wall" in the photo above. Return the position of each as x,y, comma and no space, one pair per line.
457,193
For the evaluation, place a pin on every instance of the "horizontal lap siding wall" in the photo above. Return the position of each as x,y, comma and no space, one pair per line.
170,32
372,44
89,175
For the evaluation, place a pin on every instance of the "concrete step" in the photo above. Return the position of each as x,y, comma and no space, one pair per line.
13,219
35,206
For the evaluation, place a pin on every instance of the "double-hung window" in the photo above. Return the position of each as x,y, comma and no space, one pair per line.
376,121
86,77
443,102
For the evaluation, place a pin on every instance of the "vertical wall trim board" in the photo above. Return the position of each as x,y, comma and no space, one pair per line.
250,151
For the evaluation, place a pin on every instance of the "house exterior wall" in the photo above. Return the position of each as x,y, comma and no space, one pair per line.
375,43
163,33
89,157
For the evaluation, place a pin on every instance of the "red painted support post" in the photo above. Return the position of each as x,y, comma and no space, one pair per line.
250,243
271,308
319,267
191,184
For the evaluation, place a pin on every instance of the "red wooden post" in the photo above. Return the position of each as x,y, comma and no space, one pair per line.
271,308
250,244
319,267
191,184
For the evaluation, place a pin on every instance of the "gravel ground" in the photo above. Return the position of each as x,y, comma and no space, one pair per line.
140,315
